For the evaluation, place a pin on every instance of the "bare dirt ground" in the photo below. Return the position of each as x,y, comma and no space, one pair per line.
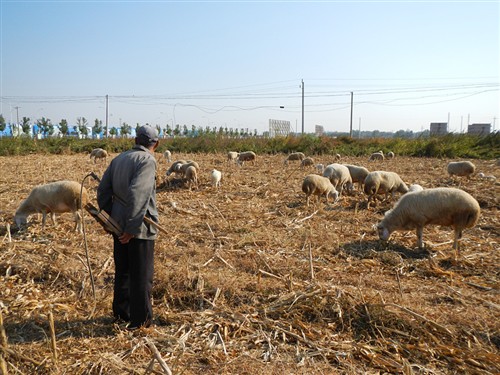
252,281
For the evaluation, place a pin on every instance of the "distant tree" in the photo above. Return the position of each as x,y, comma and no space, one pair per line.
177,130
137,126
193,130
26,125
3,125
97,128
63,127
125,129
158,129
82,123
169,130
45,126
113,132
185,130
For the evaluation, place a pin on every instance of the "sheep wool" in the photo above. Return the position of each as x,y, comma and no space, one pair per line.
339,176
439,206
294,156
358,174
246,156
215,177
382,182
318,185
98,153
461,168
55,197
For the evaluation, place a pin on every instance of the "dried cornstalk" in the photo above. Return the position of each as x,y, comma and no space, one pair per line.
53,343
157,356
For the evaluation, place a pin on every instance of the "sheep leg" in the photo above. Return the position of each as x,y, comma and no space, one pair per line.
78,222
420,233
44,219
53,218
456,242
307,200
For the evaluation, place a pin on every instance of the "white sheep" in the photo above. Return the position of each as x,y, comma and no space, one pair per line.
232,156
339,176
294,156
377,156
215,177
52,198
439,206
358,174
191,176
98,153
175,166
167,155
307,162
382,182
246,156
414,187
337,157
461,168
182,168
485,177
318,185
390,155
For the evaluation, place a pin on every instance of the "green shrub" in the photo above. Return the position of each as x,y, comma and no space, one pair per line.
449,146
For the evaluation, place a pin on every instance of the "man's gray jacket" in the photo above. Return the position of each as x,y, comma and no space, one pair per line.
127,192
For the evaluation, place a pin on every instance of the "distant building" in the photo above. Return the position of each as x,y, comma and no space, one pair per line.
479,129
319,130
439,128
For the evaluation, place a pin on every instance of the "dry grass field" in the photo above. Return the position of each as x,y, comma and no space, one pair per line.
252,281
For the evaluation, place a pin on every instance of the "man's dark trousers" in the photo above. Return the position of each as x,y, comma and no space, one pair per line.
134,267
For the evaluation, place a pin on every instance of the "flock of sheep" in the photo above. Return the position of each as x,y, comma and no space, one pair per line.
416,208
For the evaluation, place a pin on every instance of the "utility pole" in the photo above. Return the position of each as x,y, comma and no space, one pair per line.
359,131
350,131
106,133
302,107
17,116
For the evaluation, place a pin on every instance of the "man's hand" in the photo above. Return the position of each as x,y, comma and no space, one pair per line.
125,238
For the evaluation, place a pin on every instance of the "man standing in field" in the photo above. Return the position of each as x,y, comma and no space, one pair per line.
127,192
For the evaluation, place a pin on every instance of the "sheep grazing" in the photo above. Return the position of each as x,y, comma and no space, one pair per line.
358,174
191,176
339,176
175,166
246,156
439,206
294,156
461,168
52,198
232,156
182,169
377,156
414,187
484,177
337,157
318,185
390,155
307,162
168,156
98,153
381,182
215,177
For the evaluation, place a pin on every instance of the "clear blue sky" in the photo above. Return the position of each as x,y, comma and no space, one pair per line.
235,63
